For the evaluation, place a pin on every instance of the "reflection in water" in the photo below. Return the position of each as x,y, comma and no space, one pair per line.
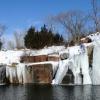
48,92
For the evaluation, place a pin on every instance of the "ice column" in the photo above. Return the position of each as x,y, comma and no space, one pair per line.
96,65
61,72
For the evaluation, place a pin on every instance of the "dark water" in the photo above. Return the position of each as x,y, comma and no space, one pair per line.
44,92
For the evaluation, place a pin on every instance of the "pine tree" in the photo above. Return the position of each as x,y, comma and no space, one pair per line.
39,39
0,45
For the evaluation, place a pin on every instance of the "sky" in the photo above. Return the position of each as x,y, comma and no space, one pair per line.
21,14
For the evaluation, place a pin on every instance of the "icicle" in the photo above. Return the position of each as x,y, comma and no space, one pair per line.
21,73
81,69
11,74
85,69
76,69
63,67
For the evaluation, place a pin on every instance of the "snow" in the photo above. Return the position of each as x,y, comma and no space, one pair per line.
9,57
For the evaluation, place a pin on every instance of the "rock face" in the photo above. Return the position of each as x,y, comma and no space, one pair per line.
2,74
86,40
69,78
39,58
42,73
31,59
36,73
53,58
90,55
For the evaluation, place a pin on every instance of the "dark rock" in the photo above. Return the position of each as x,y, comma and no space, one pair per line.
64,56
2,74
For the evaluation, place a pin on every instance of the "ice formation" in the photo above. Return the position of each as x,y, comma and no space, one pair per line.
73,58
78,63
96,64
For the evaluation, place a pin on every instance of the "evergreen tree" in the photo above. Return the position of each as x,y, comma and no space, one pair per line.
29,38
0,45
39,39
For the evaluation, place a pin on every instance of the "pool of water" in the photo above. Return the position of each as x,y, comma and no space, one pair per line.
48,92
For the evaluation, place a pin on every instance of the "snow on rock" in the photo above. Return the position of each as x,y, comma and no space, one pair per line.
50,50
94,36
9,57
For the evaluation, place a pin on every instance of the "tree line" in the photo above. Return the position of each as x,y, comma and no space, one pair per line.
74,23
39,39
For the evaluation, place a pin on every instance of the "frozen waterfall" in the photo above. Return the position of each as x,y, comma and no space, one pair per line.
81,69
96,64
79,65
19,74
61,72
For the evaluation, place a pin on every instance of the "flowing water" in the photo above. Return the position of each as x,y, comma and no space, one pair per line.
48,92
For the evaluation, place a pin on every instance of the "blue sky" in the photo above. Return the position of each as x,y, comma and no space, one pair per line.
20,14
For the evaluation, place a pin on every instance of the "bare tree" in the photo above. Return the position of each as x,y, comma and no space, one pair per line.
95,14
73,22
2,29
11,45
19,40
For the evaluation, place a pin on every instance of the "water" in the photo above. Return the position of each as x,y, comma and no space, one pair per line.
48,92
